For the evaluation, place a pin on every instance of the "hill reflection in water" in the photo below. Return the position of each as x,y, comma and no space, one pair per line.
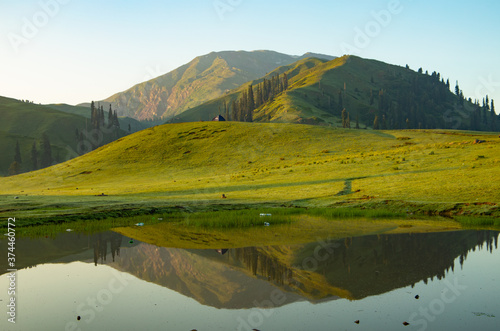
352,268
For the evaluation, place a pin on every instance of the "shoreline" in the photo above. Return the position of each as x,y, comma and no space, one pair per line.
69,210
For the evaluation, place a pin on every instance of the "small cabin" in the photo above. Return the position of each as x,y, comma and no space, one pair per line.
219,118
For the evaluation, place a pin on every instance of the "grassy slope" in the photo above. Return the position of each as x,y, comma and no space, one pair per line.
194,163
27,122
313,95
212,108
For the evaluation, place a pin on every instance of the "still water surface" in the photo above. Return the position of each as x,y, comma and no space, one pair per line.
433,281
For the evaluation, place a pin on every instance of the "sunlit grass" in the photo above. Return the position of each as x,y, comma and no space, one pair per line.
251,163
468,221
222,219
353,212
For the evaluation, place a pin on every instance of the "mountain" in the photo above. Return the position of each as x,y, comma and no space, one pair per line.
319,90
359,267
236,278
210,109
204,78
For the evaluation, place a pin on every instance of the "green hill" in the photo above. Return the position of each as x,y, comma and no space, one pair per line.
26,123
194,163
212,108
400,97
204,78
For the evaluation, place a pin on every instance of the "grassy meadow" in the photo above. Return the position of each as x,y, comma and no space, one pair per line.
187,167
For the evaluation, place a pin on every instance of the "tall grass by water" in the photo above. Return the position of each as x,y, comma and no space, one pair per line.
468,221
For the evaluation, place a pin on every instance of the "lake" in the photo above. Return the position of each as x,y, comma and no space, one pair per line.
106,281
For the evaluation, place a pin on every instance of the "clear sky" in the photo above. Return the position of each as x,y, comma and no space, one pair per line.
73,51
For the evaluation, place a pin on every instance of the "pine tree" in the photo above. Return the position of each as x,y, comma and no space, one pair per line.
92,115
457,89
263,92
101,117
285,81
384,123
249,115
226,110
493,117
341,102
258,96
243,107
277,81
34,156
357,121
375,123
110,117
344,118
251,102
381,100
17,154
234,111
484,114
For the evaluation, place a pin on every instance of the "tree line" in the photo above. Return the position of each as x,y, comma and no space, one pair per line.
97,117
40,157
101,131
241,109
422,101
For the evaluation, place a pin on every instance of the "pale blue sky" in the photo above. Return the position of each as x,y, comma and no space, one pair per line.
86,50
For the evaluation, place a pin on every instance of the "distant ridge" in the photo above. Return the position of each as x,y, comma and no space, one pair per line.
202,79
374,94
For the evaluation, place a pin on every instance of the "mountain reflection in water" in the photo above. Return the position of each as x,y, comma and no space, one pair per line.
352,268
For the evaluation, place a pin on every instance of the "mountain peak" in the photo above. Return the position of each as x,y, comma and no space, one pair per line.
204,78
